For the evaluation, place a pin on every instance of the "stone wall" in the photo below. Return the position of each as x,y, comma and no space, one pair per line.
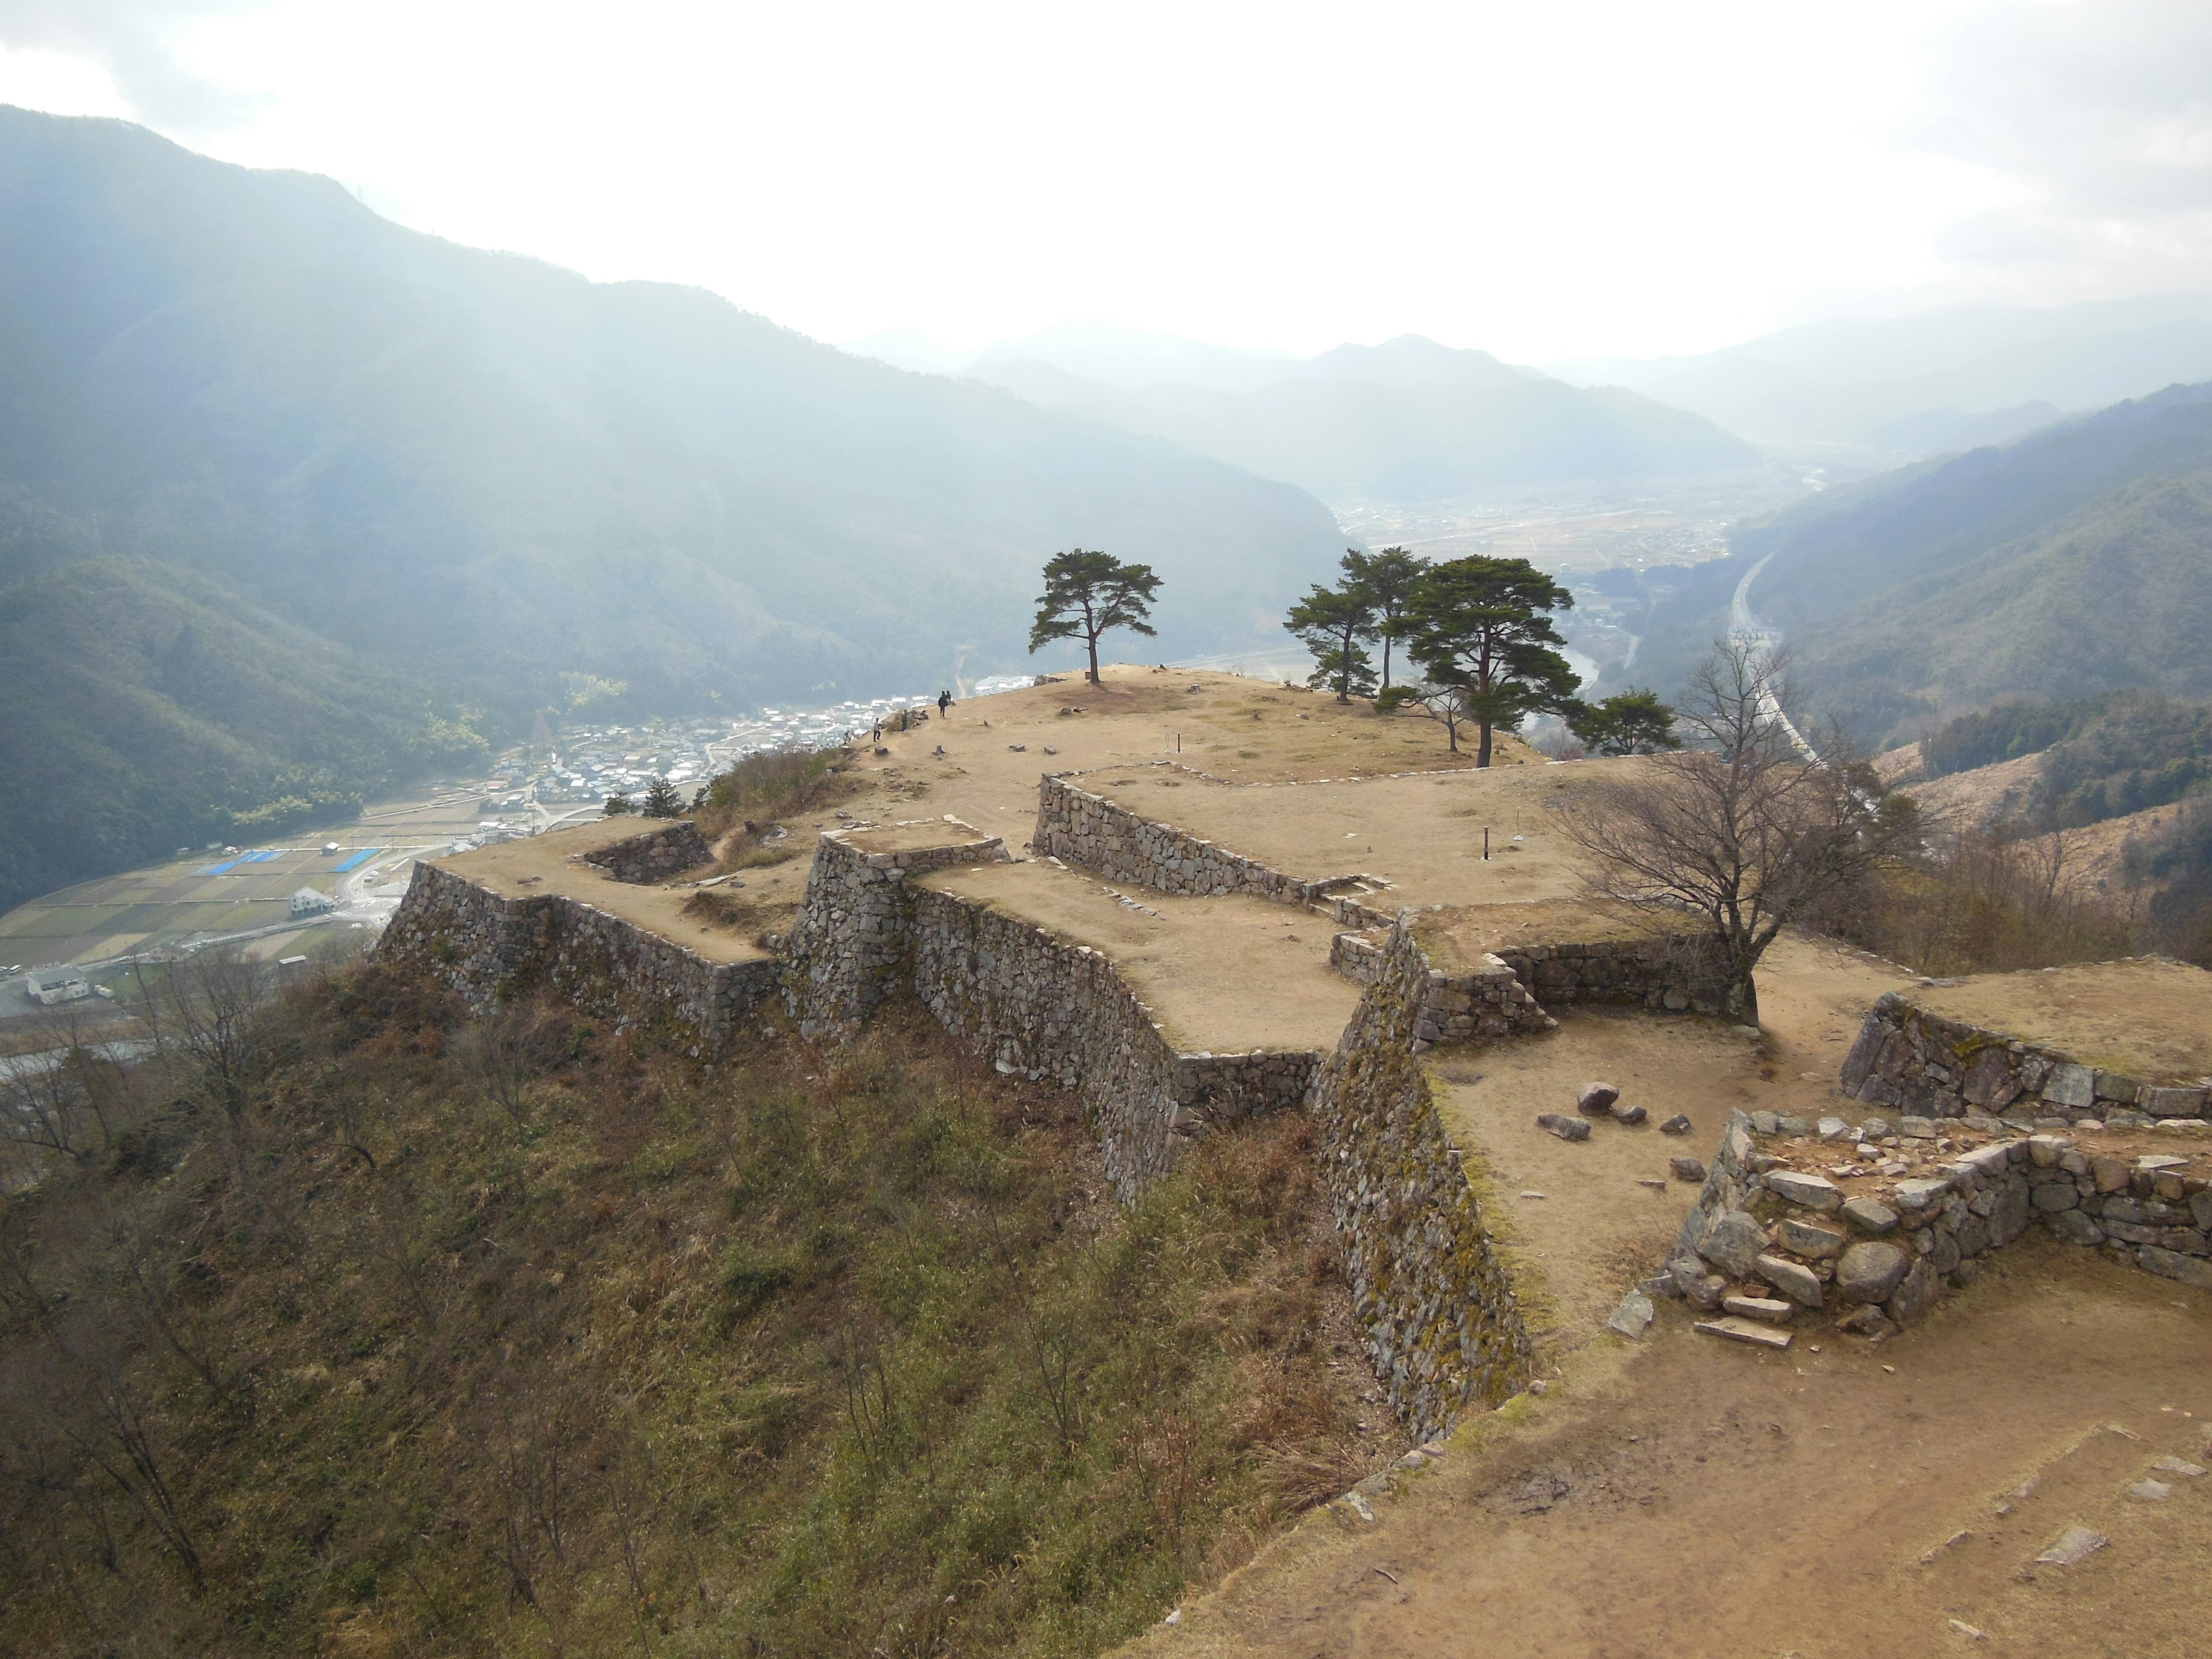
1677,972
487,948
1442,1329
1874,1241
653,856
1920,1063
1089,831
1035,1005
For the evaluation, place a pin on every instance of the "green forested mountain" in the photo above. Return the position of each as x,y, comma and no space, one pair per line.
150,706
1408,420
2076,561
456,476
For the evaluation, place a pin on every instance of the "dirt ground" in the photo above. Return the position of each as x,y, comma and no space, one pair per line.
2148,1019
1687,1498
1598,1227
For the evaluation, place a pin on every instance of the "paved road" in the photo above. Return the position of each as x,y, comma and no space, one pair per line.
1745,624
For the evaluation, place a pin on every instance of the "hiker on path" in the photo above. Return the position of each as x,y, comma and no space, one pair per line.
944,702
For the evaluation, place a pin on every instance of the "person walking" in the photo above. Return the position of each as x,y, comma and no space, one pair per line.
944,702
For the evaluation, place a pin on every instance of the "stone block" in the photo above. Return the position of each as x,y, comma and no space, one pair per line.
2070,1086
2172,1101
1915,1294
1686,1169
1811,1192
1916,1197
1761,1308
1812,1238
1870,1215
1566,1128
2172,1264
1734,1244
1632,1317
1869,1272
1745,1330
2076,1227
1596,1099
1793,1279
1631,1115
1677,1125
1866,1320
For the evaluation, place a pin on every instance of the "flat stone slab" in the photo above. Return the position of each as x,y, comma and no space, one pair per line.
1632,1317
1871,1215
1763,1309
1811,1192
1745,1330
2072,1547
1567,1128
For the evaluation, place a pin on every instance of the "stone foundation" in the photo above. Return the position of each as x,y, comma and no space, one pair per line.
1872,1243
1914,1061
654,856
486,949
1672,973
1088,830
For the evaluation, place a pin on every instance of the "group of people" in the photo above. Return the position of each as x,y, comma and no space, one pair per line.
944,702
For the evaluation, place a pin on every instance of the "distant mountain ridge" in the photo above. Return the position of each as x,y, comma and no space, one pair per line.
1406,420
468,474
2074,562
1885,382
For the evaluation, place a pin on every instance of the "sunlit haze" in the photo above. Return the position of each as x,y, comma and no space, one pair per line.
1539,181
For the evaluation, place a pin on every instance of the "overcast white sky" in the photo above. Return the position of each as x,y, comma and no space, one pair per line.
1540,180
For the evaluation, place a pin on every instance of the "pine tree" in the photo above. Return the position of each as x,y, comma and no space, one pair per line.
1085,594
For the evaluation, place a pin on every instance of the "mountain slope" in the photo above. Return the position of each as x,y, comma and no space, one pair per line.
1883,382
1407,419
2073,561
466,474
150,706
459,456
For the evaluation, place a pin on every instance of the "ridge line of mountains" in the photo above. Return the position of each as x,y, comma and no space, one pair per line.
297,504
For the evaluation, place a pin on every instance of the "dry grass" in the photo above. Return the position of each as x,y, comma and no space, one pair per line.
516,1337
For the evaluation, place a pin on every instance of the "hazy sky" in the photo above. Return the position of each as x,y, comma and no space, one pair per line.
1541,180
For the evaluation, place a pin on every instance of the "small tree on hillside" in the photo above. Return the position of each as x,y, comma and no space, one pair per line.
1742,830
662,800
1087,593
1388,581
1329,622
619,803
1483,639
1632,723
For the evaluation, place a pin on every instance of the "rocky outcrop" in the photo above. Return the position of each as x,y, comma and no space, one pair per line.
654,856
1915,1061
1442,1329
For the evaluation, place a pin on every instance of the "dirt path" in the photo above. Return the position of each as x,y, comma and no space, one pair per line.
1688,1498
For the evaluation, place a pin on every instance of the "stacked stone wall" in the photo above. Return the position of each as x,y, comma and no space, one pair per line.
1920,1063
1776,1220
486,948
1675,973
1437,1309
653,856
1088,830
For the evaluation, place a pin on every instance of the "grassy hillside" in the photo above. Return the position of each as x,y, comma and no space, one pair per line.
1409,420
514,1338
150,708
2074,562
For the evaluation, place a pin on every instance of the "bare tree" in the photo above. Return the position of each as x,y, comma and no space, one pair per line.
210,1007
1742,828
